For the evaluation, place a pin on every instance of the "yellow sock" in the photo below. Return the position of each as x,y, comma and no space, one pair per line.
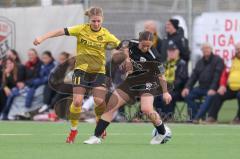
74,116
99,110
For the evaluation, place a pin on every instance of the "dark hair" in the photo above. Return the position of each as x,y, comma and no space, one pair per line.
48,53
175,23
17,55
145,35
65,54
14,73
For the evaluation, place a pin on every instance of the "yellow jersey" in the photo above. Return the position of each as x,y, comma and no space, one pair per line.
91,47
233,79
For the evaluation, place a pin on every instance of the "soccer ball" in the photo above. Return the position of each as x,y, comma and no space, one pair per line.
168,135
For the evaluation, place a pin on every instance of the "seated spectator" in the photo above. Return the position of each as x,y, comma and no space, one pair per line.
13,54
176,74
1,92
32,65
61,81
46,67
151,26
207,72
57,77
175,34
51,96
31,70
12,79
229,89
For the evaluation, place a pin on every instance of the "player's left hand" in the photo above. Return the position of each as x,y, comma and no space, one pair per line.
167,97
127,66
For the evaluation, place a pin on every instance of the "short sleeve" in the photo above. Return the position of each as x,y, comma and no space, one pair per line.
73,30
112,41
160,69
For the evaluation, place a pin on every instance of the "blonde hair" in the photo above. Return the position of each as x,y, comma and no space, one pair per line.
94,11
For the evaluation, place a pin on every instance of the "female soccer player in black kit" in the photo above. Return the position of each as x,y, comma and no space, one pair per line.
145,79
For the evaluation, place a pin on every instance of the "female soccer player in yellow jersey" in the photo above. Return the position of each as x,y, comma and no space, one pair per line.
92,41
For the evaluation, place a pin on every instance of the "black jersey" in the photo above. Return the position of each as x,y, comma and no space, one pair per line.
142,62
146,71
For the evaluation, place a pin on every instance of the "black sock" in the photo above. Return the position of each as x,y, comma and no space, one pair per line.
161,129
101,126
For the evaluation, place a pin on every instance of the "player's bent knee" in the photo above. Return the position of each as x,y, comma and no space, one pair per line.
98,101
77,103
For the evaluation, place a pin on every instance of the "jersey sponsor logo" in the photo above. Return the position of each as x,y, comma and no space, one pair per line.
90,44
142,59
7,36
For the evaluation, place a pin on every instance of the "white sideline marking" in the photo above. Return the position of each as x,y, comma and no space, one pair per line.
15,134
126,134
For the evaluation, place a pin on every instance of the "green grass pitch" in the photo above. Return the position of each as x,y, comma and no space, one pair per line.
36,140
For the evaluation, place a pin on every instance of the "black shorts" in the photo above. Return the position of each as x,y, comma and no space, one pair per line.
88,80
134,91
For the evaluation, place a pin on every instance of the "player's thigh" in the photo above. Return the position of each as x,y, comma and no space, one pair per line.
78,95
117,99
146,101
99,94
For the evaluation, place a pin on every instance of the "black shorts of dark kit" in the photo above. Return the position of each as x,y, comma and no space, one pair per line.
88,80
135,88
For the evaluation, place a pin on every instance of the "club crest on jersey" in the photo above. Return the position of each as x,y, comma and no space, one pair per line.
142,59
100,38
148,85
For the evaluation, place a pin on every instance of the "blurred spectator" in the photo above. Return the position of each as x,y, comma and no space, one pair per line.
1,92
32,66
207,72
176,74
61,78
151,26
229,89
175,34
31,70
42,79
1,67
13,54
12,79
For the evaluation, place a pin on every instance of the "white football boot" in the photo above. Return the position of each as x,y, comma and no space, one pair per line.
161,139
93,140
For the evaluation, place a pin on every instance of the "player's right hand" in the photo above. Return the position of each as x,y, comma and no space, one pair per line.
37,41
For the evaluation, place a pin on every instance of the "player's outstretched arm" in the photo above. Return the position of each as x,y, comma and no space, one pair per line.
51,34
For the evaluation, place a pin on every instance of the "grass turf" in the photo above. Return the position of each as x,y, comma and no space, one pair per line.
34,140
